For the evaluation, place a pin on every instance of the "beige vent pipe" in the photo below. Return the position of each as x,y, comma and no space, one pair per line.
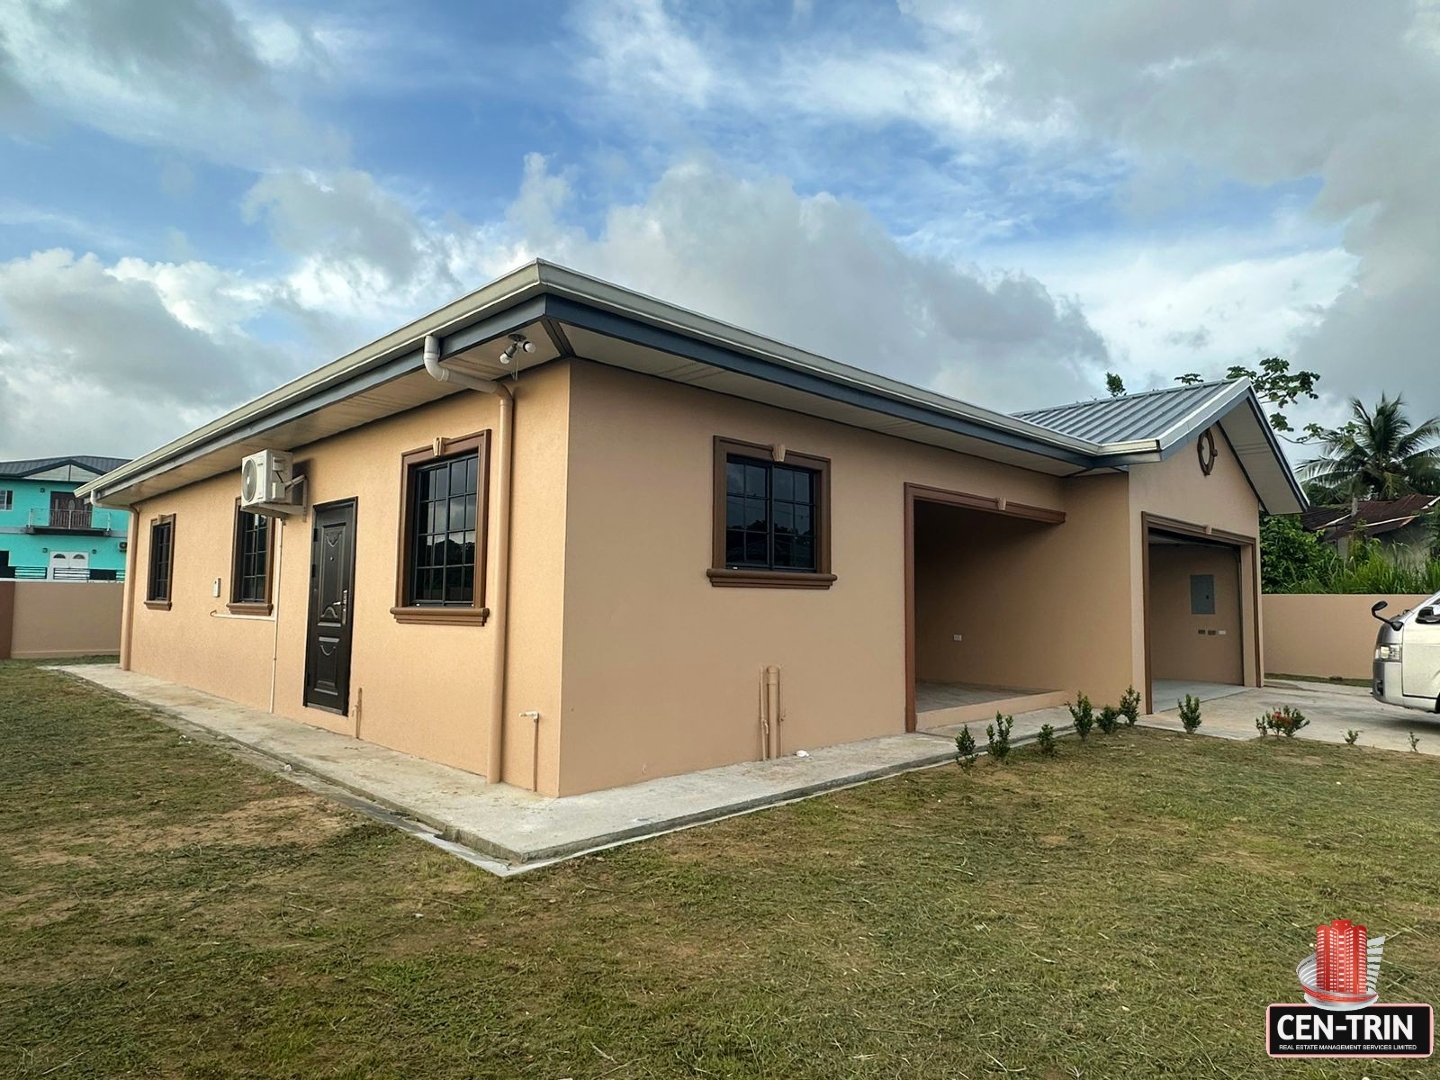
500,606
771,715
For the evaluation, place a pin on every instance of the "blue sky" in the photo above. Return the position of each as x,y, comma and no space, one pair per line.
997,199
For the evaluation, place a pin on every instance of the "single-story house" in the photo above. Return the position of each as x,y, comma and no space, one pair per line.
1402,526
571,537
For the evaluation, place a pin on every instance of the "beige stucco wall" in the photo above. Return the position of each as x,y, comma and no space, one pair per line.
59,618
1037,606
1177,488
418,688
661,671
1178,649
1324,635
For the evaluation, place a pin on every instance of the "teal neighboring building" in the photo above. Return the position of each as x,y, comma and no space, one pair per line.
47,533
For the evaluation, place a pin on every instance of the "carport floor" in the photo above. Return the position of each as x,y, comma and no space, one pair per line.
511,829
930,696
1167,692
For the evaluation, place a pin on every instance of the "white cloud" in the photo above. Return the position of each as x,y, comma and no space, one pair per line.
822,273
177,341
156,344
187,74
1164,105
640,52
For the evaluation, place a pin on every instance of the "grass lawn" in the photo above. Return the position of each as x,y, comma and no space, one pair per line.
1125,909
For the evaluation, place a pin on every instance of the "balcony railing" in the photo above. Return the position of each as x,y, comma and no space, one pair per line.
83,519
61,573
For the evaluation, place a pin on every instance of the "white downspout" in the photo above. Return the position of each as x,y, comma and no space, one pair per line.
500,605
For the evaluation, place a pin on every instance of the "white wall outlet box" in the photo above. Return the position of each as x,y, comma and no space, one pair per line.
215,587
958,636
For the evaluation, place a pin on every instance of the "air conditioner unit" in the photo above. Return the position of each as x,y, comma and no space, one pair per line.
266,481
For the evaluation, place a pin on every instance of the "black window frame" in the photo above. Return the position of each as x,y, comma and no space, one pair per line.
417,531
160,563
772,572
249,565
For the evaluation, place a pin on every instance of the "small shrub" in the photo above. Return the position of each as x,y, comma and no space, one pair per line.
1189,713
1046,739
1109,719
1414,743
1351,735
998,735
1130,706
1082,715
1262,725
965,748
1284,721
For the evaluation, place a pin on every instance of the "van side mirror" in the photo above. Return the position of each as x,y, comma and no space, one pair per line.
1394,624
1428,615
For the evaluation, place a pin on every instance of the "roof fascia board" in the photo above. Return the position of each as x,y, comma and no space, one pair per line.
641,332
593,292
298,401
1214,410
1203,415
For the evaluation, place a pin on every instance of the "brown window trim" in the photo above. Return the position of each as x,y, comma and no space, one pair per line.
160,603
721,575
251,607
476,614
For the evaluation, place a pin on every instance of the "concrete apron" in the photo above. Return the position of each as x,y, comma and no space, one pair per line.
507,830
504,829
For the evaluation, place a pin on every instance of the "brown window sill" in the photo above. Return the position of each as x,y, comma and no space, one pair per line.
454,616
158,605
250,609
768,579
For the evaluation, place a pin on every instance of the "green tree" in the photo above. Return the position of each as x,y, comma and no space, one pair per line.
1114,384
1276,385
1378,454
1292,557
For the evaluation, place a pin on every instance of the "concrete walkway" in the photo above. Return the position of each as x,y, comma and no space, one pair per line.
518,829
513,830
1331,708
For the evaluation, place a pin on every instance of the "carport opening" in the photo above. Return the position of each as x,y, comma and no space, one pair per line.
1195,624
971,571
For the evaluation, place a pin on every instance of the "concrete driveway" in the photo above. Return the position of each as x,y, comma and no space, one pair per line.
1331,708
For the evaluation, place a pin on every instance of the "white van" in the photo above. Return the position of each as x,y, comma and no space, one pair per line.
1407,657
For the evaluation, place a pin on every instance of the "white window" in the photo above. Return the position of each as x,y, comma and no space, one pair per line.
7,499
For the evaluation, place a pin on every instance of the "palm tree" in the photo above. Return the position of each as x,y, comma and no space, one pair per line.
1377,455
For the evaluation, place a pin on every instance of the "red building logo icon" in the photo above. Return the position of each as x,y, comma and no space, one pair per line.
1341,974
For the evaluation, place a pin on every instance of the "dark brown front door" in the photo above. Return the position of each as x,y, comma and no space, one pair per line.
328,631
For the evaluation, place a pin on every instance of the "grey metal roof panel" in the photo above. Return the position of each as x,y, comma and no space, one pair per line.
1129,418
26,466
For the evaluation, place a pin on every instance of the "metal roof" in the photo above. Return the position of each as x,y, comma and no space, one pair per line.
90,462
569,314
1150,415
1377,515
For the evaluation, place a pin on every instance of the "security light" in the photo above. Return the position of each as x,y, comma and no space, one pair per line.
517,342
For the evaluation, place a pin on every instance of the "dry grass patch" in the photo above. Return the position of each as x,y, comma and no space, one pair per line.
1125,909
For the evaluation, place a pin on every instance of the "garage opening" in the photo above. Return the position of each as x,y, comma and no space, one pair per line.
974,570
1196,633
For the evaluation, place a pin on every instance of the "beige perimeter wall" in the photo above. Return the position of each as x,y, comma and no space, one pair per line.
418,688
1325,635
60,618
